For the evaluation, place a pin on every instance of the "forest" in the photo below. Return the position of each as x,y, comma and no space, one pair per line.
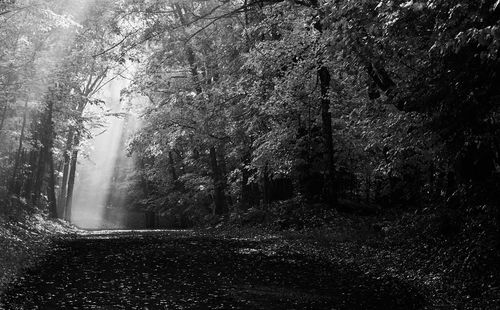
367,123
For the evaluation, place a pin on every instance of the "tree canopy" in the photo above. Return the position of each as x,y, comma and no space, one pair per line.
378,104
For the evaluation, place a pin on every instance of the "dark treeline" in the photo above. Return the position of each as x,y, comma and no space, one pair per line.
358,106
361,106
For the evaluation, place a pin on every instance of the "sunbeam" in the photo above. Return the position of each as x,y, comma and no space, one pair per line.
106,156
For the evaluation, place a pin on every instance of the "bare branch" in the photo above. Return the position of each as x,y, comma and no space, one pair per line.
116,44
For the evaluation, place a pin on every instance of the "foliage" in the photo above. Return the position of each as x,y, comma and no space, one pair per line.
266,111
50,73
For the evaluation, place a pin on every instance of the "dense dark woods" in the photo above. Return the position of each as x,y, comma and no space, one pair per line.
279,113
370,105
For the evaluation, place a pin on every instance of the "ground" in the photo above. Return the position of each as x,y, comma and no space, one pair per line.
193,270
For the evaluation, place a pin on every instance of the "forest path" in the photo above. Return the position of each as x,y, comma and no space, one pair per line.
186,270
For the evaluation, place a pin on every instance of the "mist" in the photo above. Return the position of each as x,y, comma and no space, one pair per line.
104,155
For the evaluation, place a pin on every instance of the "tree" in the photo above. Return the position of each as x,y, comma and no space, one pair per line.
50,57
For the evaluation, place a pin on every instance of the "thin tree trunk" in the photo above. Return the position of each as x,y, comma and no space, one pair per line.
193,68
326,118
266,194
71,180
245,176
221,160
220,199
51,188
368,188
143,181
172,167
66,163
72,142
25,157
432,182
15,186
29,178
4,114
330,192
39,174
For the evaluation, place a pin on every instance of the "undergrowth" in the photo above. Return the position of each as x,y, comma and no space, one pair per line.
25,235
451,258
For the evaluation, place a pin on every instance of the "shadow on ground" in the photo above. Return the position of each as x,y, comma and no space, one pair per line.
182,270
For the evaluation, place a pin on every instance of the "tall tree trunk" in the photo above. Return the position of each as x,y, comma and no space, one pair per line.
433,188
21,177
245,176
266,193
220,199
28,186
326,119
368,185
45,159
72,142
71,179
172,167
40,171
51,188
330,192
66,163
143,181
15,184
38,167
193,67
4,115
221,160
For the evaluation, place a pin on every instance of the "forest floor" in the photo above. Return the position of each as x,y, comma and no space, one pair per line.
348,262
197,270
24,240
447,263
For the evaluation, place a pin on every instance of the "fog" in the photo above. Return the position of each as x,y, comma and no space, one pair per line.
103,156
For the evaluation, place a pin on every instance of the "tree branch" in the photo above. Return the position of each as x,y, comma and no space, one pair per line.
116,44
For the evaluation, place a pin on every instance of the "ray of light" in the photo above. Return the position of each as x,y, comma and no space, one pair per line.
95,173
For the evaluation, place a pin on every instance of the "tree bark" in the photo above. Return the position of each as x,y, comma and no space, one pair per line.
368,186
69,170
16,187
66,163
39,174
245,176
71,179
326,118
220,199
143,181
266,194
29,178
45,159
330,192
172,167
4,114
51,188
194,68
221,160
